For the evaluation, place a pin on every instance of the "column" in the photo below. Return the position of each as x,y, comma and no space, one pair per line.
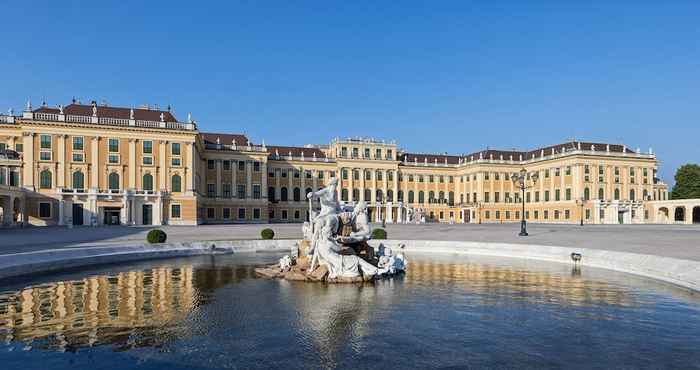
190,165
263,181
28,159
218,178
396,187
385,185
163,173
61,212
132,164
94,163
61,170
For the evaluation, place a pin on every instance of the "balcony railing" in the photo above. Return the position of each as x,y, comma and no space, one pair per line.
109,121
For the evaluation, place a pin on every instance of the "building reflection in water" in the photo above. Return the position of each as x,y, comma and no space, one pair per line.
129,309
153,306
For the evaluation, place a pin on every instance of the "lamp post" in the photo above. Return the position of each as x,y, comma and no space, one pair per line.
581,202
520,180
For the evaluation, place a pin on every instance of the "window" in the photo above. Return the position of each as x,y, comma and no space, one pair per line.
113,158
421,197
176,184
19,148
307,174
45,179
586,194
546,195
283,194
379,176
367,153
284,214
147,160
355,152
226,190
486,197
175,149
556,214
537,196
256,213
296,174
113,145
568,170
556,172
78,157
378,154
240,191
557,195
567,214
77,143
617,194
284,174
147,147
44,210
211,213
588,214
497,197
320,175
632,194
601,194
389,154
546,215
241,213
147,182
344,174
568,194
410,196
257,193
113,181
211,190
343,152
256,166
546,174
226,213
78,180
537,215
296,215
175,162
241,165
227,165
390,175
343,195
175,211
45,141
210,164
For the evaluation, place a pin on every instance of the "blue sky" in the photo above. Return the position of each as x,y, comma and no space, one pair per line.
436,76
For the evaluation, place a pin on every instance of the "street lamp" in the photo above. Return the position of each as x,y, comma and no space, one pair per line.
581,202
520,179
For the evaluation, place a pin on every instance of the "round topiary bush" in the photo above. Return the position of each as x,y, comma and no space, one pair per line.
378,234
156,236
267,234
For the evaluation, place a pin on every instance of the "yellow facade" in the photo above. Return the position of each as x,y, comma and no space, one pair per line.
93,165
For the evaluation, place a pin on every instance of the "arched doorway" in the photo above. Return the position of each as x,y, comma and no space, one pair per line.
679,214
662,215
696,215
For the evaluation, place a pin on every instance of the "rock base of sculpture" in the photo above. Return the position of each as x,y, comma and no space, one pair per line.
299,269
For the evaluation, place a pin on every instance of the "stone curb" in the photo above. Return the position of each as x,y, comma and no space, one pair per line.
680,272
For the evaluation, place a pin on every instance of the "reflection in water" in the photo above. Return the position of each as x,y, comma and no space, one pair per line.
129,309
446,311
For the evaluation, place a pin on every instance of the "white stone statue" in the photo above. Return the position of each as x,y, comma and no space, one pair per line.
348,266
360,222
285,263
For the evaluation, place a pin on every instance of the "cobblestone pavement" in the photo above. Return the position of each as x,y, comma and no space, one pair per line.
679,241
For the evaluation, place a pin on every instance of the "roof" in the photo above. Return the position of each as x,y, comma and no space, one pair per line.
296,151
111,112
225,139
430,158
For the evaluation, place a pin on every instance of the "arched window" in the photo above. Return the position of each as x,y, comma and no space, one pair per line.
421,197
271,193
283,194
410,196
147,182
645,195
431,197
586,194
368,195
617,194
601,194
451,199
400,196
380,196
297,194
441,197
176,184
632,194
113,181
389,195
344,195
78,180
45,179
355,195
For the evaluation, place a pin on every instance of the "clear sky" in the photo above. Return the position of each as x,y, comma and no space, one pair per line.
437,76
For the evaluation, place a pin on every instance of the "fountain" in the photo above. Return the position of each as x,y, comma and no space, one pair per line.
335,247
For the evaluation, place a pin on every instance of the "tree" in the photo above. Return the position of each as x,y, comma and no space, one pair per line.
687,182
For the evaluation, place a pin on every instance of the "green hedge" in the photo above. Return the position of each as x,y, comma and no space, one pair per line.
267,234
378,234
156,236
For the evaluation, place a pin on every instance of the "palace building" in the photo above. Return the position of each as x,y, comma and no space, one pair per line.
93,164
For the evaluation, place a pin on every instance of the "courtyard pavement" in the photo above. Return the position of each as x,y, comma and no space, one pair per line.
677,241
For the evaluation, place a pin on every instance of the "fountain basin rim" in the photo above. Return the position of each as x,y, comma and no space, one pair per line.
684,273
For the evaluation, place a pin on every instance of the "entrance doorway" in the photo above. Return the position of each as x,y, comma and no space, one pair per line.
696,215
77,214
112,215
621,217
147,214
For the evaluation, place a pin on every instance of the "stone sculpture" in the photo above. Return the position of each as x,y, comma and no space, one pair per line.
335,247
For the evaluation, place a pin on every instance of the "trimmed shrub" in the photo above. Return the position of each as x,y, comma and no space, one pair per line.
378,234
156,236
267,234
